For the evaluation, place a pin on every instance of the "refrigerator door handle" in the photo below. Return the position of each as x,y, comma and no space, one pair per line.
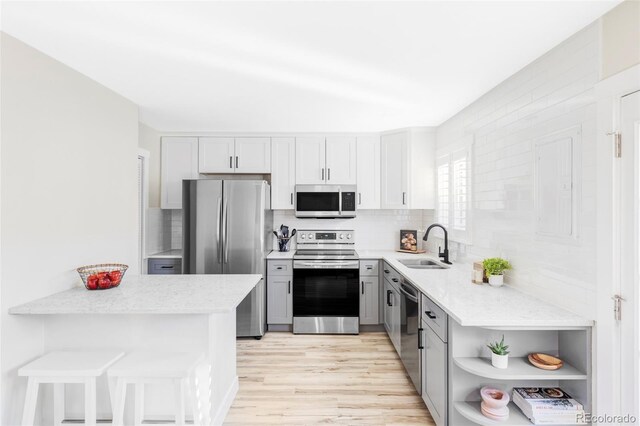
218,225
225,243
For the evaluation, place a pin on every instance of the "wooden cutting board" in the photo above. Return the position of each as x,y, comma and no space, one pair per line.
412,252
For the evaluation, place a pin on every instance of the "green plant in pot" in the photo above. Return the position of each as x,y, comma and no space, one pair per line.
499,353
495,268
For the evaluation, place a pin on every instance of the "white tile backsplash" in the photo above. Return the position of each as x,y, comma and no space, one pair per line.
553,93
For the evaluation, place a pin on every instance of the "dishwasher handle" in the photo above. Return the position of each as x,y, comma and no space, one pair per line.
413,298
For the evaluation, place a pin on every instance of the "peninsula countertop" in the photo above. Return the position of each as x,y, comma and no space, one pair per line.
149,294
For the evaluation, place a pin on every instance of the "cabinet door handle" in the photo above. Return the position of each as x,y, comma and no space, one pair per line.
362,287
420,345
386,271
289,287
236,161
323,173
278,267
329,174
404,196
395,280
359,198
430,314
389,298
231,162
167,267
292,198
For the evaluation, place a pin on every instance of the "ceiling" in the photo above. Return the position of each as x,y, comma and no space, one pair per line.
298,66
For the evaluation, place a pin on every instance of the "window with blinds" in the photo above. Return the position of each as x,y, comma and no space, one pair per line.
454,194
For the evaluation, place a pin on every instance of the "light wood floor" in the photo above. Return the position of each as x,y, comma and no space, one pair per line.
311,379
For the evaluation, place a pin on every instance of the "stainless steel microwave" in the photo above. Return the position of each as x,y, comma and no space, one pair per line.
325,201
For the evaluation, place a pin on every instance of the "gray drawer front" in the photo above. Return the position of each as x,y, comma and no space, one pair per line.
390,274
369,268
279,267
165,266
437,324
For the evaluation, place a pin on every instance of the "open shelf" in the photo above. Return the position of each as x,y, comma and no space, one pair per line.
519,369
471,411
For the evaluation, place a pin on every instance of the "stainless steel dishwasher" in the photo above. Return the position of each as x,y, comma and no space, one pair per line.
411,333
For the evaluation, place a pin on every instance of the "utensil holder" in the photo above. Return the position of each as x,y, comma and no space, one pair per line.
283,244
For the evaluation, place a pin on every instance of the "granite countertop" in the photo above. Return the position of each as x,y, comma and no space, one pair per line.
477,305
150,294
168,254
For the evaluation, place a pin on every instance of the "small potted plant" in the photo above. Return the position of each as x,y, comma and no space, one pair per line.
495,268
499,354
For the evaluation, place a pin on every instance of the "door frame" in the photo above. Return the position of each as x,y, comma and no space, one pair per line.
144,155
606,366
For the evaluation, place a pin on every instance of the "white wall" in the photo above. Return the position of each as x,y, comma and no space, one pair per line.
68,194
553,93
149,139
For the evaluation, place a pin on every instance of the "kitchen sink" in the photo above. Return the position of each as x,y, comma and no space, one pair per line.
421,264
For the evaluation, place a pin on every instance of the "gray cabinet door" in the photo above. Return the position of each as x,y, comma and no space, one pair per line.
392,314
279,300
434,375
368,300
388,308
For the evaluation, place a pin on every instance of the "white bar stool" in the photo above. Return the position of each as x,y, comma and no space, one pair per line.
63,367
140,368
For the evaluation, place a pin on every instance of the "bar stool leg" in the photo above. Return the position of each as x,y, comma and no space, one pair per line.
179,385
30,401
90,402
139,404
118,402
58,403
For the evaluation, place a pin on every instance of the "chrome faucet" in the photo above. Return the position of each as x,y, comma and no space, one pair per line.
443,254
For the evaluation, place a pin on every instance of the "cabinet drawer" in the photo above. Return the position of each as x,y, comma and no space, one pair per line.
435,317
391,274
279,267
164,266
369,268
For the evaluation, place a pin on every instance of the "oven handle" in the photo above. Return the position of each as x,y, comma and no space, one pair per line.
326,265
408,295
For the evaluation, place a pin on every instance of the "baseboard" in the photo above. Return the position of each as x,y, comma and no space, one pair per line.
226,403
280,327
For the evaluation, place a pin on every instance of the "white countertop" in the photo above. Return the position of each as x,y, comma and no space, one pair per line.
479,305
281,255
150,294
168,254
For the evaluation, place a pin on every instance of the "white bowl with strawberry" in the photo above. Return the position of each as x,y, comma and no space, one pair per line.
103,276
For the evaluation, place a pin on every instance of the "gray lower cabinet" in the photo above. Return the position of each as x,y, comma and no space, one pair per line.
369,292
392,313
279,292
434,374
164,266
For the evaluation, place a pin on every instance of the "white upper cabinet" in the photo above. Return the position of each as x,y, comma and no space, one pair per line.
234,155
330,160
408,169
216,155
253,155
179,161
341,160
283,173
368,172
310,160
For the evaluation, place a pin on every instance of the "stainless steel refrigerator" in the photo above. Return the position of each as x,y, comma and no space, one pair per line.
227,229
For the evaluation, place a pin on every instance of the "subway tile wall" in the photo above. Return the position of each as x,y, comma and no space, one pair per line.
553,93
375,229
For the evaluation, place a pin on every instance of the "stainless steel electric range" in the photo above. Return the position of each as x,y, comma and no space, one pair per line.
326,283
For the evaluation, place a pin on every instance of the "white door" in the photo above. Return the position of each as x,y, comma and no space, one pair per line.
283,173
310,160
630,238
216,155
179,161
341,160
253,155
394,173
368,172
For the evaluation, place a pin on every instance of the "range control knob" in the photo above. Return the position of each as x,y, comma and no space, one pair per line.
348,236
303,236
342,236
310,236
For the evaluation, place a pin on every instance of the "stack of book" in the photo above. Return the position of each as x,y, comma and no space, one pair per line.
549,406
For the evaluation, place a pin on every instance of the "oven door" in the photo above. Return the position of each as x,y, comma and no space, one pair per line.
326,296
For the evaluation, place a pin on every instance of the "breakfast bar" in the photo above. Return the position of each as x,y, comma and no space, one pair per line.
181,313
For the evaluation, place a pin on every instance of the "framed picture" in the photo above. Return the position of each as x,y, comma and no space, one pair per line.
408,240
